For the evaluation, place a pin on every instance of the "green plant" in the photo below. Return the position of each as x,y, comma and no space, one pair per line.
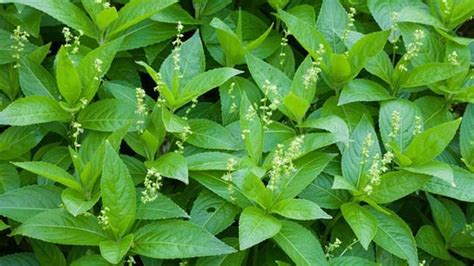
248,133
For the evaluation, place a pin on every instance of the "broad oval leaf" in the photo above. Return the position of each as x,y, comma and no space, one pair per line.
256,226
177,239
26,202
60,227
33,110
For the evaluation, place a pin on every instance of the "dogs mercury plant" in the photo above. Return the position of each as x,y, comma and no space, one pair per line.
225,132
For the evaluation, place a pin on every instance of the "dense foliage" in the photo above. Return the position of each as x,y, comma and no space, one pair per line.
220,132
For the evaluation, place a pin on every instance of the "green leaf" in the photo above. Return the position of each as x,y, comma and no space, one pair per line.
33,110
118,192
381,66
252,129
67,78
322,193
231,44
441,216
161,208
60,227
64,11
296,105
36,80
299,209
211,135
396,185
51,171
362,222
363,90
256,226
237,258
430,143
383,10
366,47
209,161
212,212
428,73
90,78
354,163
263,73
86,260
114,251
177,239
351,261
76,203
253,188
105,17
209,7
26,202
48,253
300,244
437,169
213,181
404,111
464,181
466,139
308,37
307,169
136,11
333,29
394,235
204,82
16,141
172,165
431,241
192,62
332,123
20,259
9,179
107,115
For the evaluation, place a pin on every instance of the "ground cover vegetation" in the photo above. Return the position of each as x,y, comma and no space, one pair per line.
219,132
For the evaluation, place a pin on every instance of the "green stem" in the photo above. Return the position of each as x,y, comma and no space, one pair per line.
330,225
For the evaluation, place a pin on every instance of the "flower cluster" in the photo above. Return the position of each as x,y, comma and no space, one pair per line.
418,126
377,168
412,49
227,177
184,136
152,183
394,124
312,74
283,45
394,17
350,23
282,162
177,47
331,247
270,90
77,131
233,105
104,3
453,58
141,110
72,40
446,8
103,218
194,103
160,84
98,68
20,38
130,261
368,142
